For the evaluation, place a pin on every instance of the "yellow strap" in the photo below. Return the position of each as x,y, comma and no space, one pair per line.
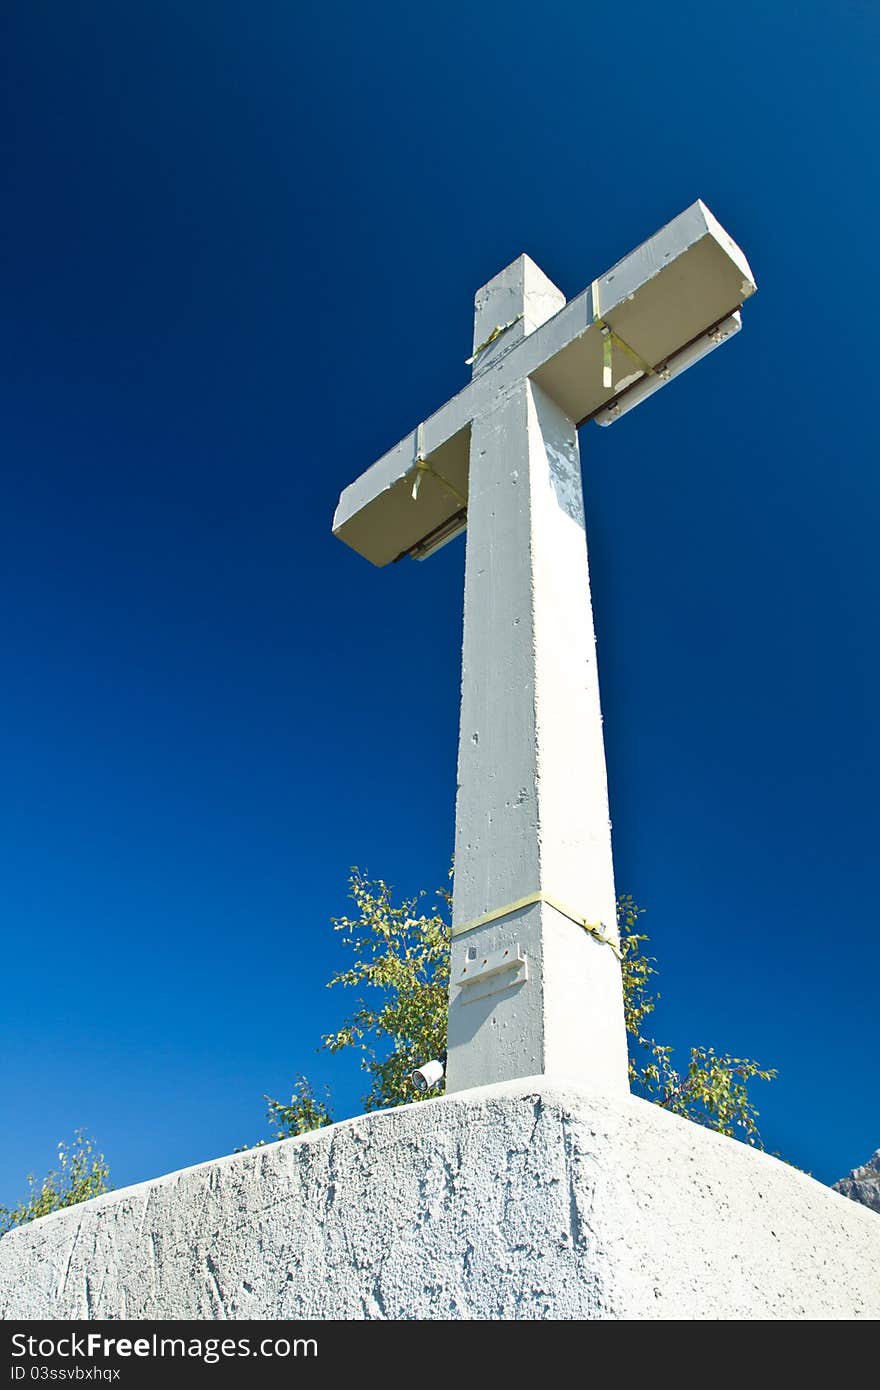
421,467
609,337
593,929
607,368
496,333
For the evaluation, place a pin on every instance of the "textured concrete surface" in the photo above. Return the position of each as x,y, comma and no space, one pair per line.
526,1200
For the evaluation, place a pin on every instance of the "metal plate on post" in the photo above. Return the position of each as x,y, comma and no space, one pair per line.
492,972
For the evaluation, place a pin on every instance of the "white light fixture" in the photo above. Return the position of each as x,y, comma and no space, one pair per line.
430,1075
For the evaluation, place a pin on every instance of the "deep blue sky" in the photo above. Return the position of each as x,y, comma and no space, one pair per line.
240,244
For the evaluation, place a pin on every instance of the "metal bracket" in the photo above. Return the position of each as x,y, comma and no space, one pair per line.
495,971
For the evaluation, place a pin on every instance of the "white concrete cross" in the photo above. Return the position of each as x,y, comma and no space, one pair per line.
535,983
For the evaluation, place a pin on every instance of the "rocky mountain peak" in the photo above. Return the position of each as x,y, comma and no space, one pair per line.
863,1184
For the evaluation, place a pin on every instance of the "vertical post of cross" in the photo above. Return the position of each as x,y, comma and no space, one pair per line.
531,990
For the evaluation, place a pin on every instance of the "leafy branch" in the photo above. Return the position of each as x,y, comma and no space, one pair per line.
400,968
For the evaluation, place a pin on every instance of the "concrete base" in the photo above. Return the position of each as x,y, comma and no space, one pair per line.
531,1199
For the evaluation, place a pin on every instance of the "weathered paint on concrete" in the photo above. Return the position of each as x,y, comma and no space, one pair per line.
533,1199
532,808
517,300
